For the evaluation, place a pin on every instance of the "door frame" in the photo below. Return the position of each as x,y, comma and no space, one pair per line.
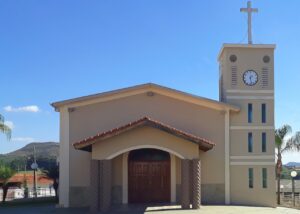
125,175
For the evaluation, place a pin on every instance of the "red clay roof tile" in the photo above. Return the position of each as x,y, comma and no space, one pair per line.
87,143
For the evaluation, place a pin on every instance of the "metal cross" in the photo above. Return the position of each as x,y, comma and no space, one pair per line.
249,10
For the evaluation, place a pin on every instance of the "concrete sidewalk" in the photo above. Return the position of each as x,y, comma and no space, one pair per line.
50,209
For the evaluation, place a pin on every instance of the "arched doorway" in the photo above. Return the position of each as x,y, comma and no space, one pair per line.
148,176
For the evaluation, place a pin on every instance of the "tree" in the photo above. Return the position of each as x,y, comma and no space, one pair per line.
4,128
53,174
5,174
284,143
18,163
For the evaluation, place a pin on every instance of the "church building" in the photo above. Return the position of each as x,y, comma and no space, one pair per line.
153,144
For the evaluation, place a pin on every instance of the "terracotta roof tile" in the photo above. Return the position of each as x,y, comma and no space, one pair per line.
87,143
19,178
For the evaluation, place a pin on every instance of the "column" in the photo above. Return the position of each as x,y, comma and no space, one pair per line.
185,183
105,185
94,186
196,186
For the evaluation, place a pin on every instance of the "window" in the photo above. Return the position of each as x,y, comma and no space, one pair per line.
263,113
264,177
250,142
264,142
250,113
250,177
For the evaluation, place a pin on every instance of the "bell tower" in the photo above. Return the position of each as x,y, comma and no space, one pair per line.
247,81
246,69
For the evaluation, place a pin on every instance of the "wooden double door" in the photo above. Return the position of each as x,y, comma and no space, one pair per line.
149,179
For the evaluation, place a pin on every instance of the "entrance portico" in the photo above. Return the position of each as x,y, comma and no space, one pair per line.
158,163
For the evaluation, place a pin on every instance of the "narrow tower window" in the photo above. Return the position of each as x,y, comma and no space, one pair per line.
250,142
263,113
264,178
250,177
264,142
250,112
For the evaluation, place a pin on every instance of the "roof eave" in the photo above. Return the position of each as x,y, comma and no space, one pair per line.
59,104
230,45
149,86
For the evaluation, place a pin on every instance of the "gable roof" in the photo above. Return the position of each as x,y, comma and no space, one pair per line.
144,88
87,143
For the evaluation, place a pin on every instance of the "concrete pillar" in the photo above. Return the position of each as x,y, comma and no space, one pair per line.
185,183
105,185
196,184
191,182
94,186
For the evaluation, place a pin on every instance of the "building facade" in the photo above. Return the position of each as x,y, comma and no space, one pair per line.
149,143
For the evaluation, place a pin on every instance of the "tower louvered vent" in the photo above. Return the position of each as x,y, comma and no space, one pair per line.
233,76
265,77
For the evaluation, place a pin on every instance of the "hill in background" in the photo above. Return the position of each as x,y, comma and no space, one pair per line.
292,164
46,155
42,149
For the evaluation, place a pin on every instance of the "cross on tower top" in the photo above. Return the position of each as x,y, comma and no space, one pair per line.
249,10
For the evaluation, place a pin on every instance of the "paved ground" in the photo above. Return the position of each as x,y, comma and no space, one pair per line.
49,209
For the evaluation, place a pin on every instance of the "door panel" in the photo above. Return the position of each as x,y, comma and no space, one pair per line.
149,181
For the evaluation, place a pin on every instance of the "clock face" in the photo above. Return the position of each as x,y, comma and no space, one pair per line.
250,77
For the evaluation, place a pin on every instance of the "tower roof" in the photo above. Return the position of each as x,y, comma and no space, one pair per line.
229,45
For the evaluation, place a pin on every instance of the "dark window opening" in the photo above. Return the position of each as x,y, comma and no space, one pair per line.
250,113
148,155
263,113
250,142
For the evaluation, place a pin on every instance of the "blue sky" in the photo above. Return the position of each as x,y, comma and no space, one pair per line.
54,50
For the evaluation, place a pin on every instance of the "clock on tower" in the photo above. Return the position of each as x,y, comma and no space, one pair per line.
250,77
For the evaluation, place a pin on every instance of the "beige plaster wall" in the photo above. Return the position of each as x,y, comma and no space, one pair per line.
144,136
239,142
79,167
258,196
241,119
64,176
89,120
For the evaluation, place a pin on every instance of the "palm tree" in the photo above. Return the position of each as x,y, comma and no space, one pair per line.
4,128
284,144
53,174
5,174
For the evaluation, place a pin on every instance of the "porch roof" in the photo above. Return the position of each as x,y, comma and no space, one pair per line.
86,144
